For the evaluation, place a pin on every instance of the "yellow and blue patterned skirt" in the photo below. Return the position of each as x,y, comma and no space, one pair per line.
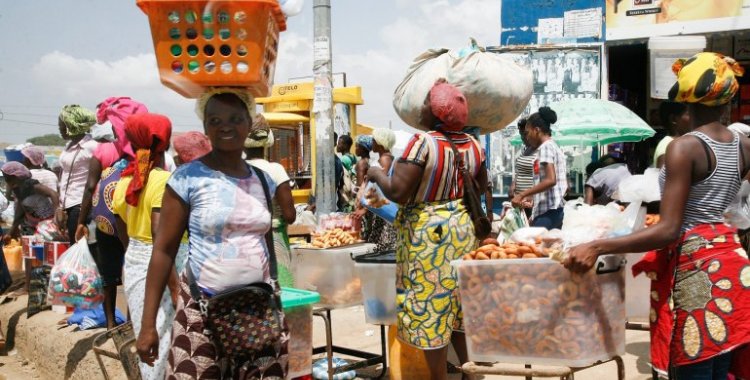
430,235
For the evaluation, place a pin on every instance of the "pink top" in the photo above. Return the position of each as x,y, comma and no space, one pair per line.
107,154
75,171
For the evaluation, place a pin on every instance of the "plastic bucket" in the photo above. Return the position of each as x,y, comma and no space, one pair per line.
215,43
13,155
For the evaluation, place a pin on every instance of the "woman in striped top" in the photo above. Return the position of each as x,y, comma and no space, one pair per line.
434,226
701,266
523,178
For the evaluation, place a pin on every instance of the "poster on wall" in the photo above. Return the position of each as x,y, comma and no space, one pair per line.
341,123
629,19
557,75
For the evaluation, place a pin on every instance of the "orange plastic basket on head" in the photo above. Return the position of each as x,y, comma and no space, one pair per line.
210,43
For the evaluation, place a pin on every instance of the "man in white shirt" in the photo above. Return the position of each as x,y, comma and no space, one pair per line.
605,180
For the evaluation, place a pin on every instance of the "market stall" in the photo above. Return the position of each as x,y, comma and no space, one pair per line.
325,265
288,112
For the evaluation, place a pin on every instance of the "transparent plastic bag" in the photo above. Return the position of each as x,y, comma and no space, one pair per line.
374,200
528,235
512,220
640,188
737,213
583,223
75,279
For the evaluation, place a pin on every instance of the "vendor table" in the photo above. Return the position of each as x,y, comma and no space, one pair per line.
564,373
369,359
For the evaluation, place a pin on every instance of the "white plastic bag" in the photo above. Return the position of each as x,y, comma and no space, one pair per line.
75,279
528,235
497,90
374,200
583,223
640,188
737,213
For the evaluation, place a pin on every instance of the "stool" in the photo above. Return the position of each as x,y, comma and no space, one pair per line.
124,339
564,373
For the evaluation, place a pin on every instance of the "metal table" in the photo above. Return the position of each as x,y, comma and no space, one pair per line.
563,373
368,359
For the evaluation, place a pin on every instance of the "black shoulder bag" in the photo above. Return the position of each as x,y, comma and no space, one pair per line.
472,199
247,324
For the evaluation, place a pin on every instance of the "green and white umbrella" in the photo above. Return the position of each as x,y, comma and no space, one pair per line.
589,122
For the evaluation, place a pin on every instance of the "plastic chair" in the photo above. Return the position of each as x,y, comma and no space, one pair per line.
124,339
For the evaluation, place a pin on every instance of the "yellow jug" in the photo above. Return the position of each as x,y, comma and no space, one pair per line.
405,361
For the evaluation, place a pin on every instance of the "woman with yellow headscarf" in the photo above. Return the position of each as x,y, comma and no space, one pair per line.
700,266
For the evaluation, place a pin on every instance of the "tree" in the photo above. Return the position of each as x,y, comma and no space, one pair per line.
47,140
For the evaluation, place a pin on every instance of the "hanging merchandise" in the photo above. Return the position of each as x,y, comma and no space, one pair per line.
496,89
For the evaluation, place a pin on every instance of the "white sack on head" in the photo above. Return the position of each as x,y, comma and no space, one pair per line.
497,90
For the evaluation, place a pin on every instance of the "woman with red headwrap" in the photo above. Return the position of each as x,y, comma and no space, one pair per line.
427,186
105,169
137,205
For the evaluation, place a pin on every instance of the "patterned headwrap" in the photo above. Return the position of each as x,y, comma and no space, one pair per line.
706,78
149,135
243,94
260,135
117,109
449,105
16,169
78,120
34,154
385,137
191,145
365,141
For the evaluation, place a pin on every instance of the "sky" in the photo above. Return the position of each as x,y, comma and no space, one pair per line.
58,52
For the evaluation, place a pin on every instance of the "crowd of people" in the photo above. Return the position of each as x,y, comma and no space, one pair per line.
119,179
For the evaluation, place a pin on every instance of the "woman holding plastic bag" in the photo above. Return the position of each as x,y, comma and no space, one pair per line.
137,206
550,172
433,225
701,266
381,232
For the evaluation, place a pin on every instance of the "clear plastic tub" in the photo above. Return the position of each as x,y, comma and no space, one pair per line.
377,272
331,273
637,291
297,306
534,311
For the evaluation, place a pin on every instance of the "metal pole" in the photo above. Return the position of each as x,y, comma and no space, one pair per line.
325,180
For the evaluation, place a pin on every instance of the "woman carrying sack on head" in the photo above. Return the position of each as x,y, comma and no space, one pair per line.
222,203
434,225
137,206
700,275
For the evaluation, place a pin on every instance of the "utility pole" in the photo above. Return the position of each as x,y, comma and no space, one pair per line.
325,178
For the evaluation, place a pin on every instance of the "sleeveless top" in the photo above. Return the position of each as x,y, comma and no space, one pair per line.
103,198
709,198
525,171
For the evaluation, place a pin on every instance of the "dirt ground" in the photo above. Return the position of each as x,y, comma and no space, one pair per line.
39,349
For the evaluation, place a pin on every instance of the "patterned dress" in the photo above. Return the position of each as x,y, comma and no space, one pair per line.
433,229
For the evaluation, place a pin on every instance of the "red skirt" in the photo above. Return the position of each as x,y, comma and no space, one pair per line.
707,279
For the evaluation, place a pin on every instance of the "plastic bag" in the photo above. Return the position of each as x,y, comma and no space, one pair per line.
75,279
583,223
512,220
497,90
737,213
375,201
640,188
528,235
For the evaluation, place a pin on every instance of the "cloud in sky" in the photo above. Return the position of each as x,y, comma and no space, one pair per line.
373,43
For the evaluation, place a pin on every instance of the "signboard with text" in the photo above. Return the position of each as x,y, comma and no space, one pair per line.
631,19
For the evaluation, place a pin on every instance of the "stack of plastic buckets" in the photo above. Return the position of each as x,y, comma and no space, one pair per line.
202,44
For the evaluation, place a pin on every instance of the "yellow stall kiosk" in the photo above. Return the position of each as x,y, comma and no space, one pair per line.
289,113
